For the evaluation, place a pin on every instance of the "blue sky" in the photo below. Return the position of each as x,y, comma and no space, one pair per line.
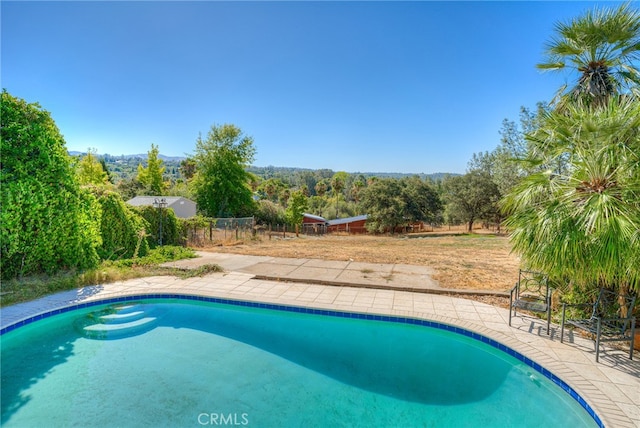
350,86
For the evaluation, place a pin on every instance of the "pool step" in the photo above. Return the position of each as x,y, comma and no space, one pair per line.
116,322
119,318
112,331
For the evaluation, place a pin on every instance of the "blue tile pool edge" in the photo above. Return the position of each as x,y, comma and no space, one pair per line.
324,312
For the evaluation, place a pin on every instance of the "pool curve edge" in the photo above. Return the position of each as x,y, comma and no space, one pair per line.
323,312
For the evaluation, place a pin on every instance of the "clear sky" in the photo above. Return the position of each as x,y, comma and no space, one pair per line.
351,86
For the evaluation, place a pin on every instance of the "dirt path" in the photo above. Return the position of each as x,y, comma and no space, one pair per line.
477,261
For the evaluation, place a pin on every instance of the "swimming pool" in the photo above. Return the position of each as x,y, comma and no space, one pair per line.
217,362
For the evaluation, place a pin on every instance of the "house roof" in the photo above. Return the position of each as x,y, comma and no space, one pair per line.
315,217
140,201
347,220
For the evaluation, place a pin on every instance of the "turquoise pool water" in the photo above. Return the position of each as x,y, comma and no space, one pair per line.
185,363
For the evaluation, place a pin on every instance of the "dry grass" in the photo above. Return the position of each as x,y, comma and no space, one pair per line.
480,261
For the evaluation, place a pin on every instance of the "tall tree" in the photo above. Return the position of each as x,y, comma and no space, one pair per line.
47,222
422,202
90,170
338,182
296,208
473,196
321,187
384,205
151,176
581,224
507,169
221,183
602,47
188,168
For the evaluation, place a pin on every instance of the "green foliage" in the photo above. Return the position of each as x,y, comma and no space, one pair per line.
47,222
151,176
90,170
391,203
36,286
473,196
272,188
156,256
583,226
422,202
221,184
384,205
270,213
171,225
602,46
338,182
296,208
123,230
577,216
188,168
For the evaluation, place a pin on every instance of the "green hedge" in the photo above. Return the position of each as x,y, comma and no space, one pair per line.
171,226
47,222
124,232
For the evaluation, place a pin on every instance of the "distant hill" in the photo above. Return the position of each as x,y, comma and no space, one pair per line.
142,156
276,171
125,167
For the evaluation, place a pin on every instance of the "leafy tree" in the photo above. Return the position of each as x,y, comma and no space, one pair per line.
392,202
603,47
296,208
581,223
506,168
90,170
103,163
309,180
129,188
338,182
583,226
322,187
221,182
473,196
151,176
188,168
272,188
47,222
422,202
269,213
383,203
357,188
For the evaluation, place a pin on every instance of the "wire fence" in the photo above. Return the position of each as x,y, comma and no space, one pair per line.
204,232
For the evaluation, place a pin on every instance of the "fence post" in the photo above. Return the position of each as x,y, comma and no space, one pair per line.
210,230
269,231
237,232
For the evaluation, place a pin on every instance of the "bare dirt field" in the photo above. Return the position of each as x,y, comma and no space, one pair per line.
479,261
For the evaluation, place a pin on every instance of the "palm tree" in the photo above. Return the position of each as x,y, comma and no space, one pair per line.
583,225
602,46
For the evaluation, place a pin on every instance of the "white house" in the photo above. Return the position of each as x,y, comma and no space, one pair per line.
182,207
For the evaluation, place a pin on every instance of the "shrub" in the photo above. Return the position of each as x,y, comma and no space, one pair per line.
123,230
171,226
48,223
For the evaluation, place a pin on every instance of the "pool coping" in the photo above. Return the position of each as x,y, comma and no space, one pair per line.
603,407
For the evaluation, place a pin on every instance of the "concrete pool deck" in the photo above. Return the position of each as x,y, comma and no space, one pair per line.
611,387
